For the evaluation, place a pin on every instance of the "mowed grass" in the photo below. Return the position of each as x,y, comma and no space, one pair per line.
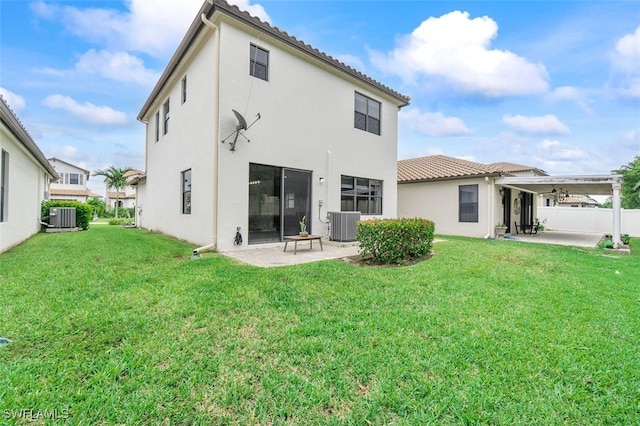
118,326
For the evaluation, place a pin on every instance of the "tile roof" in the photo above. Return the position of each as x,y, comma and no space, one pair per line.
440,167
121,195
209,8
514,168
73,192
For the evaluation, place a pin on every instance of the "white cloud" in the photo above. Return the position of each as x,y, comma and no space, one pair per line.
16,102
153,27
554,154
88,112
571,94
626,65
433,123
118,66
547,124
457,50
66,152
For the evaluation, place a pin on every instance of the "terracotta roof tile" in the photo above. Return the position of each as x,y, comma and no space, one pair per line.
506,167
73,192
438,167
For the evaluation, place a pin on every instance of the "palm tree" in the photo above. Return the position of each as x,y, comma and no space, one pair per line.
115,178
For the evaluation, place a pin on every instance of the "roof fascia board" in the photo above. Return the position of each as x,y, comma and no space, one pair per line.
559,180
439,179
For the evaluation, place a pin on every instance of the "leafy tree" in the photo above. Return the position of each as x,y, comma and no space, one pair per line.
630,184
115,179
98,205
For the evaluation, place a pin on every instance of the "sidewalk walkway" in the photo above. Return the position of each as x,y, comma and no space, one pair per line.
577,239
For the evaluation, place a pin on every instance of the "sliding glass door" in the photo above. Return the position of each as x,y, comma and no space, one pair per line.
278,200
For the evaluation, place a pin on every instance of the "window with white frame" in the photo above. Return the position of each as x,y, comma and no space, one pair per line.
367,114
186,191
361,194
4,186
468,203
259,62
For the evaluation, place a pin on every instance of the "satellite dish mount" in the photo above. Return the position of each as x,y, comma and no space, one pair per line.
240,127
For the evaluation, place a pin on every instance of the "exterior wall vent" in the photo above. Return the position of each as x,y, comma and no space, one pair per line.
62,217
343,226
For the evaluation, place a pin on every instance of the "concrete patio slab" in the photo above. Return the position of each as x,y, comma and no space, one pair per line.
577,239
274,254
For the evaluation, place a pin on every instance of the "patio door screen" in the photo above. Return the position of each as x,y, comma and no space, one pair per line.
278,199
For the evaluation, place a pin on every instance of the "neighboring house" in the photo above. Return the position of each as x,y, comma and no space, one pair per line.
468,198
72,185
25,174
123,199
126,198
577,201
325,139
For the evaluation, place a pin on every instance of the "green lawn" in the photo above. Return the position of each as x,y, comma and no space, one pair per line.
116,325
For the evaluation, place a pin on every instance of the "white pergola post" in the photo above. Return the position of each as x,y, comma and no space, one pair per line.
616,214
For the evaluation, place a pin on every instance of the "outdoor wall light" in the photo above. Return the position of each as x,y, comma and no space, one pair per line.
321,179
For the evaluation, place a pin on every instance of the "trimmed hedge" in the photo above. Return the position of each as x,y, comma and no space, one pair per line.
84,212
395,240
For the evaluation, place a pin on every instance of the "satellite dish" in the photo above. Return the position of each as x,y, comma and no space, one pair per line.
242,125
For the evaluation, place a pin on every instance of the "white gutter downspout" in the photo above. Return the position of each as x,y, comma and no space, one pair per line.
616,214
216,101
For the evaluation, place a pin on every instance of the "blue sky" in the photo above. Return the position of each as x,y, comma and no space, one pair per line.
555,85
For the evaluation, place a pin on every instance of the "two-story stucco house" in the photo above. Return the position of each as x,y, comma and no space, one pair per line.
72,185
25,174
320,136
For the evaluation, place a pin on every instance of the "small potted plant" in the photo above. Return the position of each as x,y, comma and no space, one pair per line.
303,227
501,229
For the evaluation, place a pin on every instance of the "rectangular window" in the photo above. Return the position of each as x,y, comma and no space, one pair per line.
361,194
367,114
157,126
184,89
468,203
186,192
165,109
259,62
4,186
73,179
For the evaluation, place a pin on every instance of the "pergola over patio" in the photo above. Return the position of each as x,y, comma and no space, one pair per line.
575,185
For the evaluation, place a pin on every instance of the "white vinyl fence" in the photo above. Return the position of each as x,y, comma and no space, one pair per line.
594,220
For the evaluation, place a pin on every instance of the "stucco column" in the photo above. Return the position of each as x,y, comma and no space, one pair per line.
616,214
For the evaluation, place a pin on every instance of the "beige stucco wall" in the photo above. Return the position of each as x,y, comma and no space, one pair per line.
438,201
27,185
307,112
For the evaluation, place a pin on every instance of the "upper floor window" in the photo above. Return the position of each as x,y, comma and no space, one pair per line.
468,203
186,192
184,89
157,126
165,109
259,63
367,114
75,179
360,194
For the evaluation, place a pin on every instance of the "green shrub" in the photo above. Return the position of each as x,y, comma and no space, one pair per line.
84,212
119,221
626,239
395,240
